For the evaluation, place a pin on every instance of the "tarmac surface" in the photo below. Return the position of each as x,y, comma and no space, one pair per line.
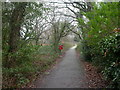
69,73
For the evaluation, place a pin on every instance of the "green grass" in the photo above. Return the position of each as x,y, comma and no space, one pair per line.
32,60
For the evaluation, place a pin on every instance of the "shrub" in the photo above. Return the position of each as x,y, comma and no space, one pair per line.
105,55
110,50
30,61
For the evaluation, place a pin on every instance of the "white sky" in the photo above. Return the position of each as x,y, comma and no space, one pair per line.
60,0
80,0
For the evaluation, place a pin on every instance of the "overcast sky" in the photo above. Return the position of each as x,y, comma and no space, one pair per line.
61,0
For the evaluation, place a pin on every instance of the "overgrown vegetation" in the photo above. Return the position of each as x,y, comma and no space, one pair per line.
28,49
101,42
32,60
31,33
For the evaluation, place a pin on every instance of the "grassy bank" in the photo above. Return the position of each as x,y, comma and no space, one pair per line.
32,61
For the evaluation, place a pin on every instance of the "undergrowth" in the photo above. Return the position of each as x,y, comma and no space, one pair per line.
31,60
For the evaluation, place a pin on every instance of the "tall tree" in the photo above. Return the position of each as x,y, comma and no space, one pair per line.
16,21
13,18
60,29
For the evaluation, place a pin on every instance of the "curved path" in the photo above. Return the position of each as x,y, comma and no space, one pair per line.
69,73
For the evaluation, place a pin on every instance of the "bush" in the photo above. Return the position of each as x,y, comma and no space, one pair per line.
30,61
105,55
86,50
110,50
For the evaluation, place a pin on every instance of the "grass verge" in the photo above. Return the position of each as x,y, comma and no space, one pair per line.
31,62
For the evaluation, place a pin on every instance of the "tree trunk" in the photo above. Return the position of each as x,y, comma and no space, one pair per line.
56,44
15,26
37,39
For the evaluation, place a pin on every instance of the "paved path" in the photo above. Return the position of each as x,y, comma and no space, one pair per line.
69,73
